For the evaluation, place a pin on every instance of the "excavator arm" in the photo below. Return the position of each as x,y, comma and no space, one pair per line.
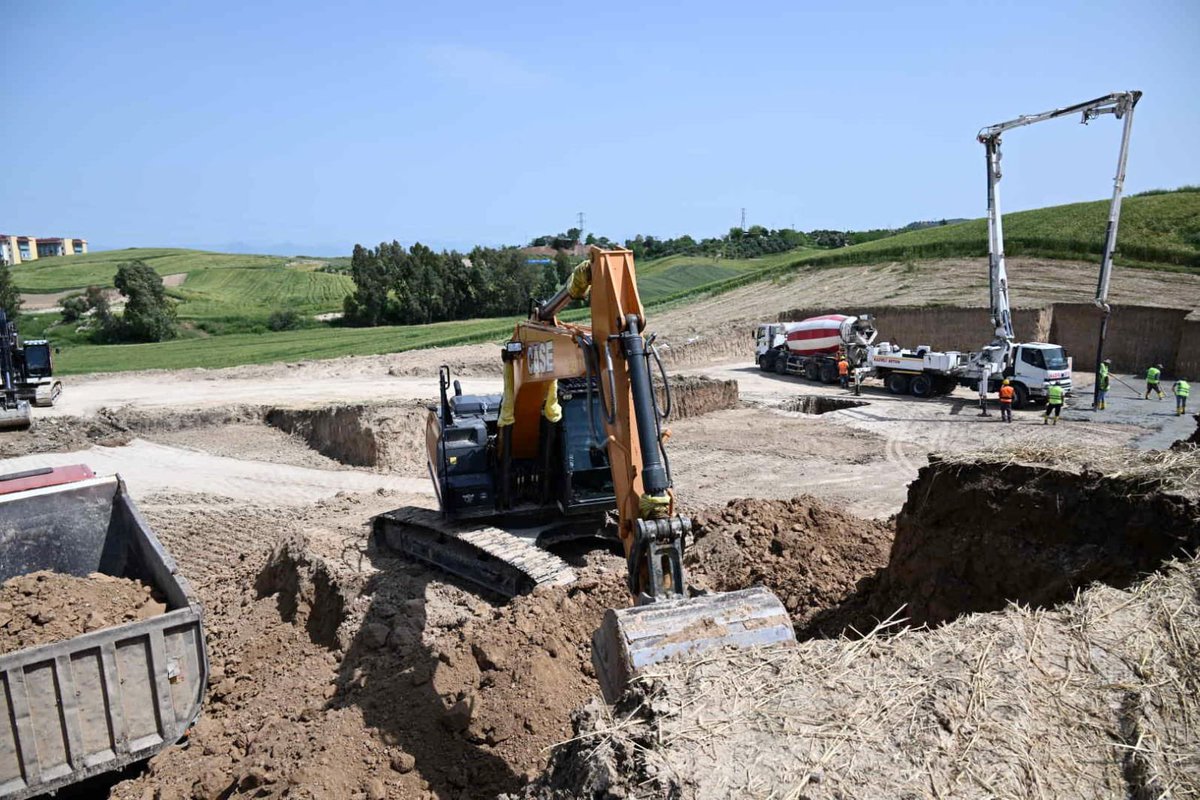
615,355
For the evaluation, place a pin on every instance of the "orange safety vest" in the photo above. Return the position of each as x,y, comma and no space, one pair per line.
843,368
1006,394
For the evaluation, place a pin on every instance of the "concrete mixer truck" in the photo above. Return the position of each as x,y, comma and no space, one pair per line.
811,346
810,349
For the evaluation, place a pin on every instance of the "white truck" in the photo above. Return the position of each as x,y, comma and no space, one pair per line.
811,347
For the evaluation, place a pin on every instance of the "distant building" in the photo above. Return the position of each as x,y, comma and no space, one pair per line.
16,249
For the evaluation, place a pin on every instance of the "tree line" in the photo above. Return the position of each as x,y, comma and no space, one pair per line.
394,285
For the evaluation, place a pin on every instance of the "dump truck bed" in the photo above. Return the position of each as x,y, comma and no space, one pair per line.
73,709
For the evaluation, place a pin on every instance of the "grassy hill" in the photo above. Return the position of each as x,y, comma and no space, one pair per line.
65,273
1160,231
677,275
231,294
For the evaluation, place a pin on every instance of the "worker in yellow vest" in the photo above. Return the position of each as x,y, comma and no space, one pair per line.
1182,390
1054,404
1102,393
1152,376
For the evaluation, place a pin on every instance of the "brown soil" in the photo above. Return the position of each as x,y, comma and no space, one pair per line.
341,671
811,555
389,437
695,395
61,434
45,607
974,536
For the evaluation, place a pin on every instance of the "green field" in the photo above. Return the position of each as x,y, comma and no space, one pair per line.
668,277
250,295
66,273
249,348
231,294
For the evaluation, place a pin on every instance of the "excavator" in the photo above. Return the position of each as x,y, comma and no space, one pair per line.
573,447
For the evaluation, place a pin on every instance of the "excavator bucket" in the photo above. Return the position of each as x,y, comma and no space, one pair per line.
19,417
630,640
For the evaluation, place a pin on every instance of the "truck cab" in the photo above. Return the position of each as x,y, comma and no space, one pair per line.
1036,366
768,336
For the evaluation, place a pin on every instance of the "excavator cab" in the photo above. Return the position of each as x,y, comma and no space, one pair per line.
567,474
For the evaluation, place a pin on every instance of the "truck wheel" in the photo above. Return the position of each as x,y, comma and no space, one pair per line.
897,383
921,386
811,371
781,363
943,385
1020,395
763,364
828,373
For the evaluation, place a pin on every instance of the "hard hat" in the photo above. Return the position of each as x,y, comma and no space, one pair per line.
1006,381
1108,361
1158,366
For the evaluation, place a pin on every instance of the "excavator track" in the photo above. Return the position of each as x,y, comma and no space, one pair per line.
491,558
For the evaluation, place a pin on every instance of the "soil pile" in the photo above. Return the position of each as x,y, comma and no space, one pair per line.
45,607
61,435
810,554
1095,699
339,671
476,695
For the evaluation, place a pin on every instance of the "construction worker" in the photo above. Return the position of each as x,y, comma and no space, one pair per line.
1152,376
1102,385
1006,400
1182,390
844,372
1054,404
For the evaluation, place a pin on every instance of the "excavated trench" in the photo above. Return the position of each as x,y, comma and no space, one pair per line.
392,436
971,537
821,404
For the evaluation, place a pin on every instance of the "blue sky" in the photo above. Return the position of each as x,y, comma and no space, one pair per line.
306,127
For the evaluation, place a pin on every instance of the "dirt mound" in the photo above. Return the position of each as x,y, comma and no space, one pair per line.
339,671
44,607
390,437
142,421
810,554
1096,699
61,435
475,694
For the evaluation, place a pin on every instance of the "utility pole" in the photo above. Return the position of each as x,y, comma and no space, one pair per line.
743,219
580,215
